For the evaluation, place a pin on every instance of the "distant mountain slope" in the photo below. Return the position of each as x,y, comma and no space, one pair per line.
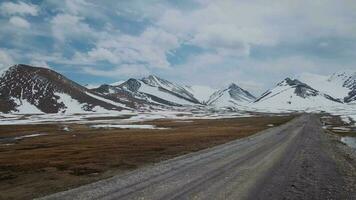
124,94
152,90
231,96
340,85
28,89
294,94
350,83
201,93
160,87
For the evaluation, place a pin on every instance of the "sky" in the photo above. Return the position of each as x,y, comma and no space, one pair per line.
254,43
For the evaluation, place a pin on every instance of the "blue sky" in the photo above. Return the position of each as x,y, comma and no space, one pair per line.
254,43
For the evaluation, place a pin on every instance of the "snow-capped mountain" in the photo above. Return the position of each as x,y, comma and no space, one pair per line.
27,89
340,85
127,94
230,97
350,83
164,87
294,95
153,90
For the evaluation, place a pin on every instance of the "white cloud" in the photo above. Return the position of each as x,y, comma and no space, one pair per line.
103,54
76,6
6,60
66,26
227,33
83,8
233,26
227,27
20,8
150,48
40,63
19,22
122,70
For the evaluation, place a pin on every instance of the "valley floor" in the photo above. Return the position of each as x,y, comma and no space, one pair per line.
297,160
40,159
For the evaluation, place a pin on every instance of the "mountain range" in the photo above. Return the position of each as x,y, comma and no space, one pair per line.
29,89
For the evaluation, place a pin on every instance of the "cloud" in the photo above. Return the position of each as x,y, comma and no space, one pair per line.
19,22
199,41
103,54
122,70
83,8
224,39
226,27
20,8
76,6
6,60
66,26
150,49
40,63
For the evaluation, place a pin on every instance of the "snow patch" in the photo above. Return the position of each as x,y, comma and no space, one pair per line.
201,93
126,126
332,86
107,101
155,91
29,136
24,107
72,105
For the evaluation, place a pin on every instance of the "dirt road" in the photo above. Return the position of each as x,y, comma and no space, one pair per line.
294,161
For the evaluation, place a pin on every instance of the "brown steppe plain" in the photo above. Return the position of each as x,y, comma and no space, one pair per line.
59,160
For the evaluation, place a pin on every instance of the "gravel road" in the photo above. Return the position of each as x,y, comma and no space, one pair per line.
297,160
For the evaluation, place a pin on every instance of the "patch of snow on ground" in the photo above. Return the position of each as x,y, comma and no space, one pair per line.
82,118
125,126
341,129
29,136
346,119
349,141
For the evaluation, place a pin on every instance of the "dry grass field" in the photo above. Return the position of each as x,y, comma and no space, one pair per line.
60,160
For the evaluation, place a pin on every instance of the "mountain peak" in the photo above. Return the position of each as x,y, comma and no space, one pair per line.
291,82
26,67
151,77
153,80
233,85
44,90
292,91
230,96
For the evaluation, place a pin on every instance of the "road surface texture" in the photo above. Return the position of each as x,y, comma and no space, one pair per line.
297,160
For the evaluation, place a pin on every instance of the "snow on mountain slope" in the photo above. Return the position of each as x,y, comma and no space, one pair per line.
164,86
350,83
150,91
47,90
164,94
127,93
201,93
332,87
294,95
71,105
340,85
24,107
230,97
